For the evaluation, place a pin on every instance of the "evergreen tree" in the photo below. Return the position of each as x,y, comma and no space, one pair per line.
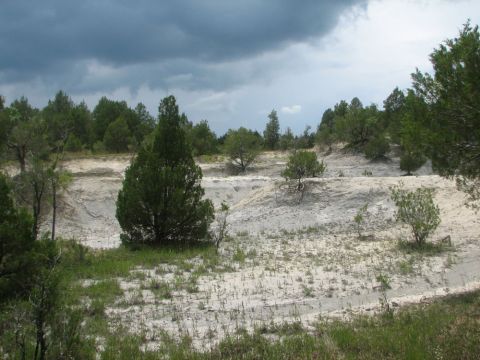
203,140
117,136
106,112
394,108
413,133
160,201
287,140
453,96
325,131
16,243
242,146
271,134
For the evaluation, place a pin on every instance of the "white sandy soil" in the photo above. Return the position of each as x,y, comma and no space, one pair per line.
303,259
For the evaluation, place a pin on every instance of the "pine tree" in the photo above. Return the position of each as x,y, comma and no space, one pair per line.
16,244
272,131
161,202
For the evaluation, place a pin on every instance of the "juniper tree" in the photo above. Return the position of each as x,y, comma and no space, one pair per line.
242,146
272,131
303,164
161,201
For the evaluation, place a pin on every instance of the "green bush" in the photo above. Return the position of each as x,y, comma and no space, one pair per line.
303,164
73,143
377,148
242,146
117,136
417,210
204,140
98,147
411,161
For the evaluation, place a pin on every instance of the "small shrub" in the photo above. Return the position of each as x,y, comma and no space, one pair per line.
308,291
221,232
384,286
359,218
411,161
417,210
239,256
303,164
99,147
161,289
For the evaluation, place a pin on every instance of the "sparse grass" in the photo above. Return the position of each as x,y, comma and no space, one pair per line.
444,329
308,291
427,249
239,256
211,159
406,267
105,291
160,289
106,264
307,230
252,254
104,267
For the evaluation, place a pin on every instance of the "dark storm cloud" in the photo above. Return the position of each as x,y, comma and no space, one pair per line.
56,38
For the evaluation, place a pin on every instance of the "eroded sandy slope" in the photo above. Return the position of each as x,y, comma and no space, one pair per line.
301,259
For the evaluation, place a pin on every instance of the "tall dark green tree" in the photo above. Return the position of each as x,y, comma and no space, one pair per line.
117,136
161,201
326,129
16,244
203,140
58,117
359,125
82,126
271,134
413,133
394,108
24,110
145,123
453,95
106,112
25,131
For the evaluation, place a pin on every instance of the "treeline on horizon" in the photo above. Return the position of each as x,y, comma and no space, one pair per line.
115,127
408,119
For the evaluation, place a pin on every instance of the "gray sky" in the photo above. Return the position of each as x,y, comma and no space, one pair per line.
230,62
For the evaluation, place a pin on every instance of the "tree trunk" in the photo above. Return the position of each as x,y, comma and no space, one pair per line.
22,164
54,207
40,331
37,207
21,154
